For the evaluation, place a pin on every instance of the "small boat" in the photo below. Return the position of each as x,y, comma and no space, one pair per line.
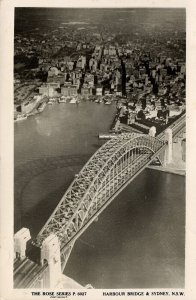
62,101
20,118
73,101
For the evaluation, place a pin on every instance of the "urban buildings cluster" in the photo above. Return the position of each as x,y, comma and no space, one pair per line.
144,72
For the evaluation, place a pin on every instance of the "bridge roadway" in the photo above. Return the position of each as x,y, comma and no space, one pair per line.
105,175
26,272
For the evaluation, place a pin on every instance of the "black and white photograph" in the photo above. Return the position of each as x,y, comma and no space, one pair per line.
99,150
99,147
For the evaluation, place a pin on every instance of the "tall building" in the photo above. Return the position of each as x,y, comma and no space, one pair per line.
49,89
99,91
85,92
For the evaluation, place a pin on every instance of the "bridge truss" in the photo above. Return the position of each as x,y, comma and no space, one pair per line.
107,172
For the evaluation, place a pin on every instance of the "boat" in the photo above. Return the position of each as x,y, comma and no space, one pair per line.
53,100
108,102
62,100
107,136
73,101
20,118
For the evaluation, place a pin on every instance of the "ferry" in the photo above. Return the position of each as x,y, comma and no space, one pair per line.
73,101
107,136
20,118
62,100
108,102
100,100
53,100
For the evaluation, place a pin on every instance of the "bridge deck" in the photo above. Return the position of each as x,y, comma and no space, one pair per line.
26,272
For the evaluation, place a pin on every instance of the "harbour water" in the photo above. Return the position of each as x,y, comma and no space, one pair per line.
138,241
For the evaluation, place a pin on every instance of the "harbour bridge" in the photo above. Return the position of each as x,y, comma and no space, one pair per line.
40,262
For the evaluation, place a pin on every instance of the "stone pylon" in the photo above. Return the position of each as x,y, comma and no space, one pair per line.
20,242
169,148
50,254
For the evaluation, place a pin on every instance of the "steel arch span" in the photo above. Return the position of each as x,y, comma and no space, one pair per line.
103,177
106,173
